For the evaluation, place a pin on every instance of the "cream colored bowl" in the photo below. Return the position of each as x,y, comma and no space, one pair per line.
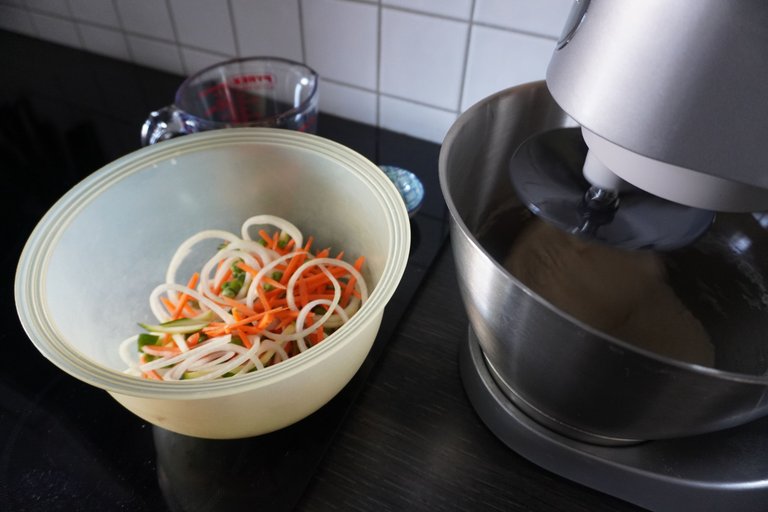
87,270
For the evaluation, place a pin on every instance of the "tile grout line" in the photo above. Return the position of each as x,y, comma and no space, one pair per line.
389,95
32,22
232,23
302,38
175,32
465,63
476,23
28,15
121,29
75,23
473,28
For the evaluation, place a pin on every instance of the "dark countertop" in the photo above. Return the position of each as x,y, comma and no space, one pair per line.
401,436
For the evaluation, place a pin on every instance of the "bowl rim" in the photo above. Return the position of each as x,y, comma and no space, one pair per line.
31,271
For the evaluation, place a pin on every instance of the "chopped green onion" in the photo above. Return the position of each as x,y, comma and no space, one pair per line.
232,287
147,339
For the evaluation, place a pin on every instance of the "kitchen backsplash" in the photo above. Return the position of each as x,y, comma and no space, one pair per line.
411,66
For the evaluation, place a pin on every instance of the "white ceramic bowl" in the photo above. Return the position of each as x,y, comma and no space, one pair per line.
87,270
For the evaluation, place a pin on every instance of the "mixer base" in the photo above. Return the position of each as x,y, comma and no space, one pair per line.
725,470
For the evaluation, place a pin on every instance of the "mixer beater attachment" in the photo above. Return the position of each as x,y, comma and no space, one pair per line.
547,174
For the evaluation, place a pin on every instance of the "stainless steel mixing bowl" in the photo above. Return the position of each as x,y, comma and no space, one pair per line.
568,375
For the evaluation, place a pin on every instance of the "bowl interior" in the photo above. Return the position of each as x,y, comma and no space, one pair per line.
100,251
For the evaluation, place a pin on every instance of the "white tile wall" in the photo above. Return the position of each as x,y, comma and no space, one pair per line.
104,41
57,30
453,8
196,60
340,40
16,20
545,17
268,27
348,102
156,54
204,24
99,12
422,57
49,6
410,66
488,71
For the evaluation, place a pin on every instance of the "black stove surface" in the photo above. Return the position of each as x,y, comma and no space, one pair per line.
65,445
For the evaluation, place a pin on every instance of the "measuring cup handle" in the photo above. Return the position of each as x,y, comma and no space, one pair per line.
163,124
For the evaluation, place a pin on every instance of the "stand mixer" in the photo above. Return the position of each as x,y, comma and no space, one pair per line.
650,120
669,99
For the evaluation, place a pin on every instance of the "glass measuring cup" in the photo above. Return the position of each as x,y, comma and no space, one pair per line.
256,91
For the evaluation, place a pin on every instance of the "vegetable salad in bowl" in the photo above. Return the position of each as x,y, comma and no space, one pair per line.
257,301
249,321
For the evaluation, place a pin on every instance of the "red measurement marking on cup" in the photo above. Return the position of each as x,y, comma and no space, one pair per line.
211,89
262,81
219,102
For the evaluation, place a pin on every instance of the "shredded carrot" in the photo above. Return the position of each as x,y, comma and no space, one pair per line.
349,288
169,305
287,319
317,279
244,266
265,236
244,338
316,296
149,374
152,374
289,246
166,350
296,261
263,298
273,283
194,339
227,275
303,293
247,320
184,297
236,305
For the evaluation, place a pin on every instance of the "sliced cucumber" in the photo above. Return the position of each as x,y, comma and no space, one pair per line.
182,325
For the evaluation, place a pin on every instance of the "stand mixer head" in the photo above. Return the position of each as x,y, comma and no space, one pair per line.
672,113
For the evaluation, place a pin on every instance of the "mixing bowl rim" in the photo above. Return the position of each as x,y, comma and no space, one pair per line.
458,221
32,267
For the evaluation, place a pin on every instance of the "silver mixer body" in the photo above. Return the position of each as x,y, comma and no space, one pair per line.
673,95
